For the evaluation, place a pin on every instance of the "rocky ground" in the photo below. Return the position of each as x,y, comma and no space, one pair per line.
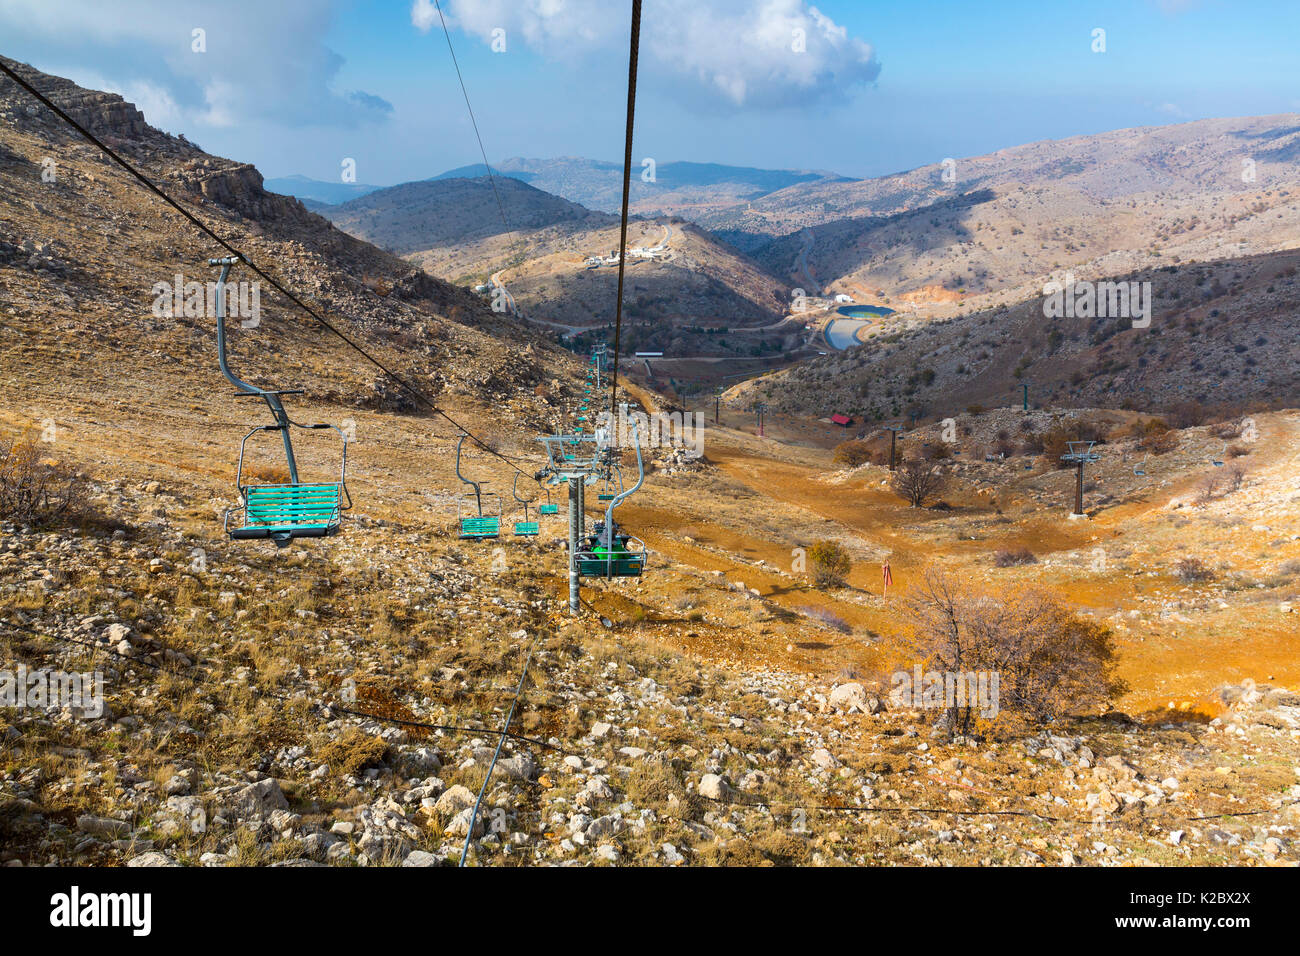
227,737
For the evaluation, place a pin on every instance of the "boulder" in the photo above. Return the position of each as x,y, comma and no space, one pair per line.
713,787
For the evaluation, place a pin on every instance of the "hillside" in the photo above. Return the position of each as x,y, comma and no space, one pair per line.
1105,204
435,213
1223,334
452,229
693,281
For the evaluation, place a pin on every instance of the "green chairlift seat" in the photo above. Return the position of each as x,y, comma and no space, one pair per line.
525,528
479,528
623,557
280,512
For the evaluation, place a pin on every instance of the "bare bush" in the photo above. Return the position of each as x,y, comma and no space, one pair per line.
1161,443
1216,484
1187,414
1010,557
916,480
37,491
1055,442
1051,661
1193,571
939,451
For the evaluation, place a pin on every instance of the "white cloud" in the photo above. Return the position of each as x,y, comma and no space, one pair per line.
423,15
733,53
264,60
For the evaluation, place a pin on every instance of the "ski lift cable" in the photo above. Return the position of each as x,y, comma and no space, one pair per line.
627,185
149,184
505,732
464,92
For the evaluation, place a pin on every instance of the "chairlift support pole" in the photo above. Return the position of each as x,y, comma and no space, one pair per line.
893,441
271,398
575,534
1080,453
1024,397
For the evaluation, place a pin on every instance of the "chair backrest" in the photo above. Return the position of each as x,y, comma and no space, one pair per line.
526,528
488,525
549,509
292,504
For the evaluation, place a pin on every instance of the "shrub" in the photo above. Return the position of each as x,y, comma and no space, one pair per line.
37,491
1187,414
1160,443
939,451
829,563
1007,558
1192,571
856,452
1216,484
1056,440
352,751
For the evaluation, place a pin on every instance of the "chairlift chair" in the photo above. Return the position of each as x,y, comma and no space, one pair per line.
1218,462
608,493
610,552
1141,469
525,528
278,512
548,508
477,526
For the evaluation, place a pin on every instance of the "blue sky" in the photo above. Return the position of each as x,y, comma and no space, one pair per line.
297,85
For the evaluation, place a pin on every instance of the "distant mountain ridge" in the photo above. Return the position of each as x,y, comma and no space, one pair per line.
317,190
431,213
676,187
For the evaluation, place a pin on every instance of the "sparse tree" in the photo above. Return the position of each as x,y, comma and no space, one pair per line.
916,480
